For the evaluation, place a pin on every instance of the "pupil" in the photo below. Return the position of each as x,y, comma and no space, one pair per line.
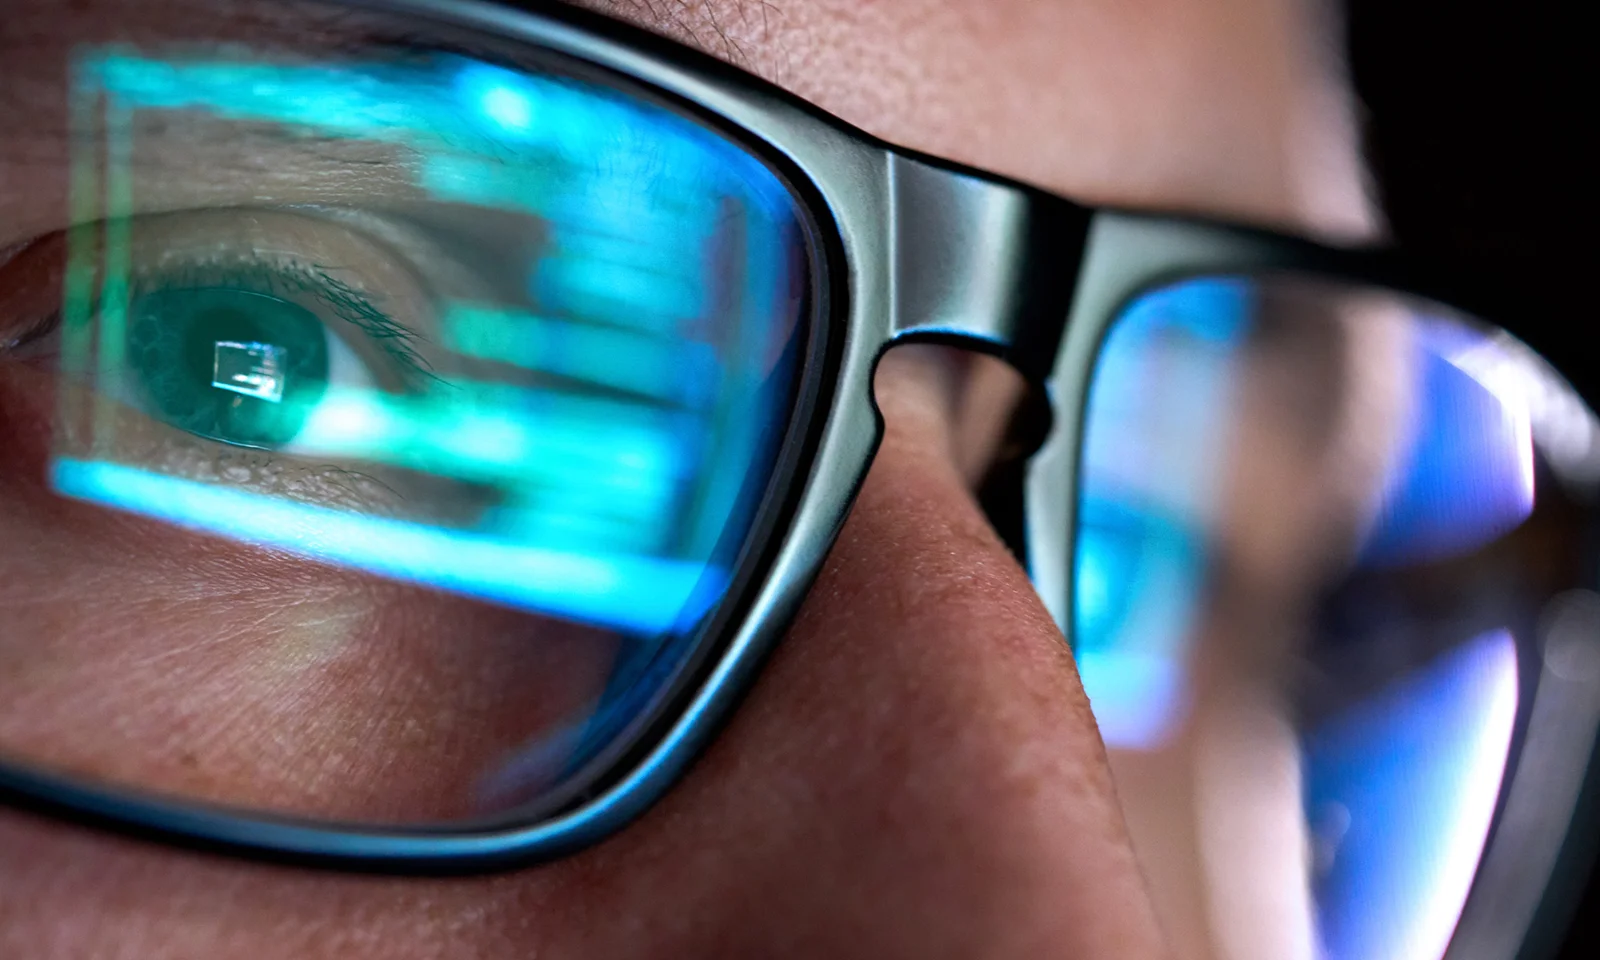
230,365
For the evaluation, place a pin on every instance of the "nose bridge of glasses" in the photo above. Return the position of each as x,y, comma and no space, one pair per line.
982,264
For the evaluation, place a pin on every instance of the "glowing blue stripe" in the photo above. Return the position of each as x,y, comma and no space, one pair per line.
640,594
667,368
527,438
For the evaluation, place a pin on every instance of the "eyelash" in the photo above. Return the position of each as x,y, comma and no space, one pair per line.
343,301
281,279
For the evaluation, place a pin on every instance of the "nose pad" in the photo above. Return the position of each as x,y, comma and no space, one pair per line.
994,419
992,414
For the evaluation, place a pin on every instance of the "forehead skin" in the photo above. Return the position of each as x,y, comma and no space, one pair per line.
916,773
1231,107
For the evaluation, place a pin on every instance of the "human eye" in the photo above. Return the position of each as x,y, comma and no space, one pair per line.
235,333
382,427
194,338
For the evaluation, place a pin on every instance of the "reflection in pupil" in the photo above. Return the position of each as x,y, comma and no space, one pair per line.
251,369
231,365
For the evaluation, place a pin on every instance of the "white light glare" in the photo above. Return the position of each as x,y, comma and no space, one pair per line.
507,106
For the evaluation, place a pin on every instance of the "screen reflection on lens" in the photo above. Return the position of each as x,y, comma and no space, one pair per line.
1316,524
406,412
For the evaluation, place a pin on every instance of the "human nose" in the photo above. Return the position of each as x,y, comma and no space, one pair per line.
917,773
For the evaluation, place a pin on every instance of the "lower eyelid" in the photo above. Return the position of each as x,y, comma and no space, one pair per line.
272,475
147,443
34,398
305,476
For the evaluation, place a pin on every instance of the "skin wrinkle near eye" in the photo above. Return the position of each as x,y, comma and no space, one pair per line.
219,591
179,455
270,619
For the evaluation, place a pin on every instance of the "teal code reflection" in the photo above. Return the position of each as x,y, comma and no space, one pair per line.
635,353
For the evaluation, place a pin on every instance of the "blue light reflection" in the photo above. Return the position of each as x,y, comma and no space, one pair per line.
1157,417
610,396
1411,778
1465,476
639,594
1137,581
1274,473
563,324
668,369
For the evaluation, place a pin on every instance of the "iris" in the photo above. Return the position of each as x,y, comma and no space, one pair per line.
240,367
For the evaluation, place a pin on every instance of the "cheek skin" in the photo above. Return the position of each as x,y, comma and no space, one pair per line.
915,774
214,671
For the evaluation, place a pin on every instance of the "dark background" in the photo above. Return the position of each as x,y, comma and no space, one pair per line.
1478,121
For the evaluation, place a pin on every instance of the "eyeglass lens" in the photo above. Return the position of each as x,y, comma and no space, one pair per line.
386,427
1320,528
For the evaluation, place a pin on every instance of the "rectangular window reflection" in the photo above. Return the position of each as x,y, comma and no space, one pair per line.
251,369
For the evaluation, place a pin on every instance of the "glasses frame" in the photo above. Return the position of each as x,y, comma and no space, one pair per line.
1536,857
905,248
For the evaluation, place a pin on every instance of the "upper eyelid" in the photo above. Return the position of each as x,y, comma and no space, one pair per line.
398,340
394,337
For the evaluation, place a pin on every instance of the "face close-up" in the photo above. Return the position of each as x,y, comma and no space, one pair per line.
916,771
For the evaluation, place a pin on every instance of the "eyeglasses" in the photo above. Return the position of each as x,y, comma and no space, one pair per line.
532,356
